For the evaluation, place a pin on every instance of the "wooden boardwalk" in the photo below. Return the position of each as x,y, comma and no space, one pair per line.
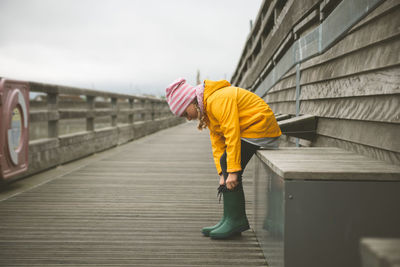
140,204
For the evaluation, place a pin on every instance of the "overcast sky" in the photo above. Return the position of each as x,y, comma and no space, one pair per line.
127,46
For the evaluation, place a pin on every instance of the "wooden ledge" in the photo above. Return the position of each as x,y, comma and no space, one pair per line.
327,163
303,126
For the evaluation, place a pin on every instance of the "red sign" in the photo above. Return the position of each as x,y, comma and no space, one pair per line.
14,127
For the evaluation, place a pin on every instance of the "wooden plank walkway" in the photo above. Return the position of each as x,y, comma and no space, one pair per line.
141,204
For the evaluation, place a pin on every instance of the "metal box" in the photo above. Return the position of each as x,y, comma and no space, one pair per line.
14,127
313,205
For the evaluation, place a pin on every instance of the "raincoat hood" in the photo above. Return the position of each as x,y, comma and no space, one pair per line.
211,86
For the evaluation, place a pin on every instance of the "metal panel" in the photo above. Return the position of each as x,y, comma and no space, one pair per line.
267,84
302,223
285,63
345,15
325,220
268,214
308,45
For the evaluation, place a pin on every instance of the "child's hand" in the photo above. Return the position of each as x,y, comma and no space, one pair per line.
221,180
232,181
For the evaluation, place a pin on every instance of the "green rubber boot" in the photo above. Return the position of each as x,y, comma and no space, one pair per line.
235,215
206,230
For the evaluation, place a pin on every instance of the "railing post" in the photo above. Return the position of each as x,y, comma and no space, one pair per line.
159,109
114,112
90,118
152,105
90,113
147,105
54,116
165,109
143,113
131,119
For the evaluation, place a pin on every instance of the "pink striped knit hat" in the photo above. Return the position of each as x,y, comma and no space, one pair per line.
179,96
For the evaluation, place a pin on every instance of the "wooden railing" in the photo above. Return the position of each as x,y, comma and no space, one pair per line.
70,123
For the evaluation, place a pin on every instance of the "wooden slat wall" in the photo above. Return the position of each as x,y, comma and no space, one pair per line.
354,88
292,14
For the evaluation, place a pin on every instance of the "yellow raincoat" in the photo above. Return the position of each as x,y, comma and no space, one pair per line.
234,113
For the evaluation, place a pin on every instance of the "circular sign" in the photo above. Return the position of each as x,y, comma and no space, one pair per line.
18,125
16,128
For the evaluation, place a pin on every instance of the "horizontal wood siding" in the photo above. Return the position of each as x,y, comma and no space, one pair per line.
354,88
292,13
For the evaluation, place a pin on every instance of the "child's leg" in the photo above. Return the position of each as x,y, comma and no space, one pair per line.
224,166
235,219
246,152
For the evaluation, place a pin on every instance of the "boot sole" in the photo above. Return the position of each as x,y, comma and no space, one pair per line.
234,233
238,230
206,234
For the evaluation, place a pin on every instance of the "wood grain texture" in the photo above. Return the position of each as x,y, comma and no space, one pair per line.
283,107
327,164
383,28
379,135
383,108
296,11
380,82
368,151
353,87
142,205
380,252
382,55
281,96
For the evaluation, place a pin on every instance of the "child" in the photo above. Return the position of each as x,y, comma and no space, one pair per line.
239,122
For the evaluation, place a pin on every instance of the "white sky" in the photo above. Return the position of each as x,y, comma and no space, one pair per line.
126,46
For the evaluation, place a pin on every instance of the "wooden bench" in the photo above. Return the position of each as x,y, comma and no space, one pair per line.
312,205
380,252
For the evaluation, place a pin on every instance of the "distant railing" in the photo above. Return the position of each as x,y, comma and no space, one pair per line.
60,104
70,123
